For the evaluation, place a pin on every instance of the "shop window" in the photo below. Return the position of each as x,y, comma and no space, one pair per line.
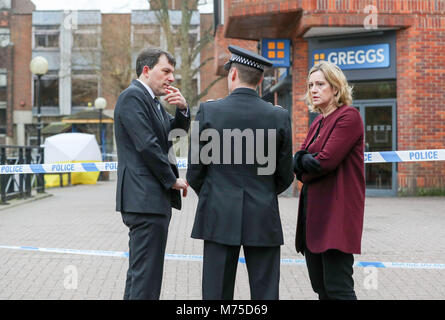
49,90
46,37
84,90
146,36
374,90
86,37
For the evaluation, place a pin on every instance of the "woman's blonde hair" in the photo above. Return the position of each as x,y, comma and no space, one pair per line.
337,79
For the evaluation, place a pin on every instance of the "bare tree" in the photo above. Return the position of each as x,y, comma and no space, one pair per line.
114,63
116,70
107,55
189,46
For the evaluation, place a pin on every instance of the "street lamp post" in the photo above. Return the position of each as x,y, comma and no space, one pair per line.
39,67
100,104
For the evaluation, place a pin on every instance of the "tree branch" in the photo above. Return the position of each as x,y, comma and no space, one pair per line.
206,90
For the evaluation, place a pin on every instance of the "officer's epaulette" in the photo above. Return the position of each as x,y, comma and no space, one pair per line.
277,105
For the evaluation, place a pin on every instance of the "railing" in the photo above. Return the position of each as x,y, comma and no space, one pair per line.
20,185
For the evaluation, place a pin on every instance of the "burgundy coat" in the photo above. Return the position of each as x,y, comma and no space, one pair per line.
336,196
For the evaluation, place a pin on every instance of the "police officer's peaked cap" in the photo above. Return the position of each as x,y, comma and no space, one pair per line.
248,58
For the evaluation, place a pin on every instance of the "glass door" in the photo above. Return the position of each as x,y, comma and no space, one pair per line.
379,119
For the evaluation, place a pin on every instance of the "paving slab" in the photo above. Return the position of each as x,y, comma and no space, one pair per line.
408,231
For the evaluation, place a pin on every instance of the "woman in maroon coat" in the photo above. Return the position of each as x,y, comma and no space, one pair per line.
331,166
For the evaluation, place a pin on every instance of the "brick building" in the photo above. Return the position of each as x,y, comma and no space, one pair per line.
391,51
90,54
15,53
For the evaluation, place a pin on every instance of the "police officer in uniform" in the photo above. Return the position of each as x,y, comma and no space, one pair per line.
238,204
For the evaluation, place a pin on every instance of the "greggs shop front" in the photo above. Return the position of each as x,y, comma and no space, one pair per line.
393,64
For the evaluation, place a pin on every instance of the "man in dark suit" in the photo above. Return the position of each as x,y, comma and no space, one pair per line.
237,188
148,183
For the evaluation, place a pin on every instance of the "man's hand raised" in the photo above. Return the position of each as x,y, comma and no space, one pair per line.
175,97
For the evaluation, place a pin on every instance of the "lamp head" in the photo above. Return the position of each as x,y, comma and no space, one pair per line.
39,66
100,103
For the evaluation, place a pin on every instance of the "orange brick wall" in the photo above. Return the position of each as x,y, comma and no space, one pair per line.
420,98
116,33
208,74
255,7
300,116
222,53
420,68
21,26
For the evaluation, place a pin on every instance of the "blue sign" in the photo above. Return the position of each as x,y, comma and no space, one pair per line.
277,51
350,58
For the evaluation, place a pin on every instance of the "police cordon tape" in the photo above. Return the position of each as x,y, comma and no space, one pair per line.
370,157
405,156
242,260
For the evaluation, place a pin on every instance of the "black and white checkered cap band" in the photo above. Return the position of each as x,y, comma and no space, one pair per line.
245,61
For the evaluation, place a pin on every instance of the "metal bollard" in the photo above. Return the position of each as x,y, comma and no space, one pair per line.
28,176
21,177
41,176
3,177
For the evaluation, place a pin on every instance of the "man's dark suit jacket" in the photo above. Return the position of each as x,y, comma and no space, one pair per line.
145,175
237,206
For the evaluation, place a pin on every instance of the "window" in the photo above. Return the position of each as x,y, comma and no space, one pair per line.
4,37
5,4
3,104
31,136
2,119
86,37
46,37
146,36
3,88
385,89
84,89
49,91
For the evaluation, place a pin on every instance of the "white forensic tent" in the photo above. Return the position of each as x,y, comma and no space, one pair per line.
71,147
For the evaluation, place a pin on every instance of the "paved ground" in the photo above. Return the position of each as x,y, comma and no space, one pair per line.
408,230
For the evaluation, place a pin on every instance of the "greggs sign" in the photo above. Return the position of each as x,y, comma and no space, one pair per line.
360,57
